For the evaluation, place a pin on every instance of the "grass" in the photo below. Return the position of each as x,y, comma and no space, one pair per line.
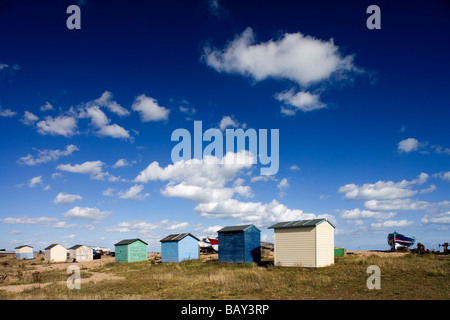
408,277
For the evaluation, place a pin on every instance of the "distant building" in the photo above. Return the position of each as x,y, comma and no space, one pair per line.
24,252
81,252
305,243
240,244
55,253
131,250
179,247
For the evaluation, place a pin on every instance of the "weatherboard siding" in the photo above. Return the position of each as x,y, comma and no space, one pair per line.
325,244
295,247
187,249
133,252
240,246
169,251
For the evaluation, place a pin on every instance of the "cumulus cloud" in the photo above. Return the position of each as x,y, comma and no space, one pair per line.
396,204
35,181
230,121
134,193
47,155
382,190
6,113
46,107
29,118
213,184
106,101
62,125
366,214
93,168
296,57
437,218
143,227
86,213
253,212
302,100
28,220
392,224
102,123
408,145
302,59
66,199
149,109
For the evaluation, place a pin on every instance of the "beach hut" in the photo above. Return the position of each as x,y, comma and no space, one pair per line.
240,244
131,250
24,252
55,253
179,247
305,243
81,252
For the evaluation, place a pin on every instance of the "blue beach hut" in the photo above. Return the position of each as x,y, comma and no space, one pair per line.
24,252
179,247
240,244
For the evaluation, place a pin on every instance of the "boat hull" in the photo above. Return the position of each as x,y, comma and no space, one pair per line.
399,241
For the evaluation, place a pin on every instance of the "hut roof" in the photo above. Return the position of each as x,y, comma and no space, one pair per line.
77,246
129,241
236,228
51,246
177,237
299,223
20,247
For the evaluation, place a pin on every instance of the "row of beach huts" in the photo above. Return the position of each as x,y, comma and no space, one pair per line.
306,243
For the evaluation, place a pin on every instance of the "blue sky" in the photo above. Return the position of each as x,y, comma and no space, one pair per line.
87,117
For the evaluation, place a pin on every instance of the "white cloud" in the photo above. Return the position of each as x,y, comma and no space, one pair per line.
444,175
134,193
230,121
47,155
149,109
437,218
284,184
209,172
35,181
382,190
396,204
143,227
121,163
106,101
6,113
356,214
294,168
66,199
46,107
93,168
86,213
301,100
29,118
109,192
392,224
100,121
408,145
62,125
296,57
27,220
253,212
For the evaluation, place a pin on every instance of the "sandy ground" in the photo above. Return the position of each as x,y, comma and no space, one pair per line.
366,253
95,277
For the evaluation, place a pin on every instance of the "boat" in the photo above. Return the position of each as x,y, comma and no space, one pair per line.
209,245
399,241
